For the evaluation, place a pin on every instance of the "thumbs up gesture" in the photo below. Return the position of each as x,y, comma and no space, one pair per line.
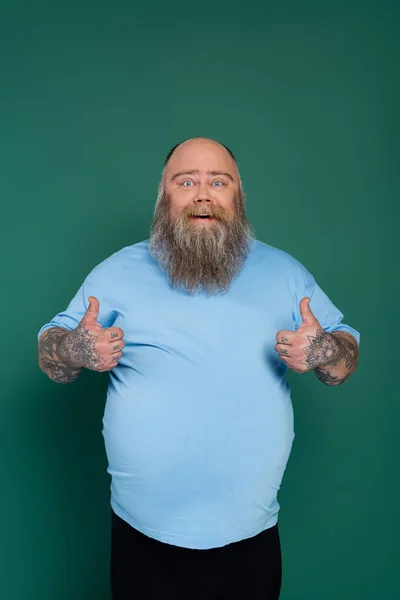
89,345
301,350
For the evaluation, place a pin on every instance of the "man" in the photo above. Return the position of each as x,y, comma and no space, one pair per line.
198,326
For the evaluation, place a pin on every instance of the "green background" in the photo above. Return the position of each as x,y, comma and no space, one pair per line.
93,95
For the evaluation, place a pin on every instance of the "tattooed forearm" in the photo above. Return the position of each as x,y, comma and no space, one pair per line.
333,356
51,362
328,378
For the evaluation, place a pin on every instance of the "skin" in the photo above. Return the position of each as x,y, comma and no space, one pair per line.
332,356
63,354
201,173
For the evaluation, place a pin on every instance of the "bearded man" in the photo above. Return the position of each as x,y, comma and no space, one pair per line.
197,327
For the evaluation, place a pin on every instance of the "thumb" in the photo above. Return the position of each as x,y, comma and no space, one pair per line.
306,313
92,312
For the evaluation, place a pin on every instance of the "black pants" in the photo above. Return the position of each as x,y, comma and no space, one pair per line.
143,568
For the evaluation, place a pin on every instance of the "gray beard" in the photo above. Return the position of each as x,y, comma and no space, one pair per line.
196,257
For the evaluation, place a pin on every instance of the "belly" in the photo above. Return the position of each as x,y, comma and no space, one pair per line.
187,451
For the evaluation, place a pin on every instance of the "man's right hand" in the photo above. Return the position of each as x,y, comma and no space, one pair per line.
90,346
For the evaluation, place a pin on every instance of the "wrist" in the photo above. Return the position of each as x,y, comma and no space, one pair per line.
331,354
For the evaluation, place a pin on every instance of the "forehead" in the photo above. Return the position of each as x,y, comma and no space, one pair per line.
201,155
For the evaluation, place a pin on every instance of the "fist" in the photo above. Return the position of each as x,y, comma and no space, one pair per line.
89,345
301,350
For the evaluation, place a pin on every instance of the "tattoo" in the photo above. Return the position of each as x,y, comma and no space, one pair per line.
350,351
78,348
284,351
115,348
49,360
326,350
63,354
329,379
284,340
114,335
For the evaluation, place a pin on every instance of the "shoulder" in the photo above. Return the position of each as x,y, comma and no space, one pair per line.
126,258
267,255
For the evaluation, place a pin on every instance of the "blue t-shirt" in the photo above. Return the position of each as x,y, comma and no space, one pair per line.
198,422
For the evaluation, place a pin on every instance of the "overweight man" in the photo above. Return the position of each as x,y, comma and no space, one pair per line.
197,327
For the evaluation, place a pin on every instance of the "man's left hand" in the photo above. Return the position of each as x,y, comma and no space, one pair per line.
297,349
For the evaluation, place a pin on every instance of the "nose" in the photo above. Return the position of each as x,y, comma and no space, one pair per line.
203,194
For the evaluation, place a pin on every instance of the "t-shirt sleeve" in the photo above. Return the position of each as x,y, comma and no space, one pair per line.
328,315
97,284
72,315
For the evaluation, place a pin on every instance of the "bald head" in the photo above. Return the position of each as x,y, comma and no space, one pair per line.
200,149
198,138
201,171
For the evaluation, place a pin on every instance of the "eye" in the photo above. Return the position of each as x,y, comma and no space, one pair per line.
187,183
218,183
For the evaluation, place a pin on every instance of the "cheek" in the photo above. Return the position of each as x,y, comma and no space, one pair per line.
228,201
178,201
230,208
177,208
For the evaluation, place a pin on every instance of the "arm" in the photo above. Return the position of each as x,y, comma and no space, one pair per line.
50,356
332,356
341,352
64,353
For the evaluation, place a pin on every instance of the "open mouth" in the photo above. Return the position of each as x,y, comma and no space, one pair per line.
202,217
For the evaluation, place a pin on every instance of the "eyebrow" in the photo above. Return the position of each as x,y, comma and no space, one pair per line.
196,172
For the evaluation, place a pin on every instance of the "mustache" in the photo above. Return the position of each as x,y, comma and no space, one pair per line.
217,212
